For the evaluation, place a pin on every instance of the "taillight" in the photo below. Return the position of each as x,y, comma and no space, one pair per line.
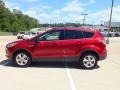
102,39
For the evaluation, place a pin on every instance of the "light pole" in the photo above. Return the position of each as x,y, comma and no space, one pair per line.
110,20
84,18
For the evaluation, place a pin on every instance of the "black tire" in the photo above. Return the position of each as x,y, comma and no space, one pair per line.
26,59
85,56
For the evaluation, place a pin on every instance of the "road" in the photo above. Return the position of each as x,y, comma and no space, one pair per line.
61,76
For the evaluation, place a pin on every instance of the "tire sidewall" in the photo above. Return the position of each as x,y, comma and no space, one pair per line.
28,63
82,58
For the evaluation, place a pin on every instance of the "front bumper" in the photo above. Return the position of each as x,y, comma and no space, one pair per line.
8,54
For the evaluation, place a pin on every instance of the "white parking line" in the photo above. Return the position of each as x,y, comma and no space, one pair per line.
72,85
3,65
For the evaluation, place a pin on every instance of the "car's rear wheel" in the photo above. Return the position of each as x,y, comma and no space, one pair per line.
88,61
22,59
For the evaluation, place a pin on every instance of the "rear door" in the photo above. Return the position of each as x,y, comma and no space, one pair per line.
73,41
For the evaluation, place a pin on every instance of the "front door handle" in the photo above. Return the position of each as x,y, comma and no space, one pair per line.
79,43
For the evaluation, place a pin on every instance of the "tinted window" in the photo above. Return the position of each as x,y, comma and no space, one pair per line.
87,34
54,35
72,34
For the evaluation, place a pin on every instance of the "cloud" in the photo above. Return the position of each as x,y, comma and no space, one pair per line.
75,6
92,1
70,12
46,7
39,14
31,0
104,15
11,5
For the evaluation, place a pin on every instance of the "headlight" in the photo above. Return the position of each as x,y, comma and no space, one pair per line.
10,45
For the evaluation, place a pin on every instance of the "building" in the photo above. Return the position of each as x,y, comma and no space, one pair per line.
96,27
115,26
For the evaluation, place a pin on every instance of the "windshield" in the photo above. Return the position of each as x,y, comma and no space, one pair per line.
22,32
26,33
33,33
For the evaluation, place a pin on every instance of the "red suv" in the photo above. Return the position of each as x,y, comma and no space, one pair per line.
83,45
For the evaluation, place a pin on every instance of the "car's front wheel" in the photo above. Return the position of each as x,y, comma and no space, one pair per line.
88,61
22,59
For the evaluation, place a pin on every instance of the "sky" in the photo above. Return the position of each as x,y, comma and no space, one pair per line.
63,11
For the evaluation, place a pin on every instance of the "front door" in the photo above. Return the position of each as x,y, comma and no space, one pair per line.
49,45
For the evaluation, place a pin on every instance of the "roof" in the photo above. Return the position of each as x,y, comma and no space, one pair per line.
113,24
81,29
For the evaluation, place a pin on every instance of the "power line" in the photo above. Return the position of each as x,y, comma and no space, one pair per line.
84,17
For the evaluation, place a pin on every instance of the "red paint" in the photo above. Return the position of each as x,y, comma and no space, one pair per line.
61,48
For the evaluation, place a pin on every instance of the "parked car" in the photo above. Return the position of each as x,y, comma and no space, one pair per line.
111,34
29,35
81,45
117,34
20,35
104,34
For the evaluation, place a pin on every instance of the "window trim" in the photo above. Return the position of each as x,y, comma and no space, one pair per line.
60,38
87,32
73,30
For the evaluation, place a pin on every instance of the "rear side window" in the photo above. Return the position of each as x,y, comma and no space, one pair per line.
72,34
87,34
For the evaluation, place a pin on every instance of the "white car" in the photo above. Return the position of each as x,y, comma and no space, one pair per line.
104,34
20,35
30,35
111,34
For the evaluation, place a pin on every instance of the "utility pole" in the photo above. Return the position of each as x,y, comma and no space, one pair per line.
110,20
84,18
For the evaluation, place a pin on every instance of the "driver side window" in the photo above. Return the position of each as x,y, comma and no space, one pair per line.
54,35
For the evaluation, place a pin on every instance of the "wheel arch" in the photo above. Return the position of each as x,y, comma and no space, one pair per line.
21,50
92,52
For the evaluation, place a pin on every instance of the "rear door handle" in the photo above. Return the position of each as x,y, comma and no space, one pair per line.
30,45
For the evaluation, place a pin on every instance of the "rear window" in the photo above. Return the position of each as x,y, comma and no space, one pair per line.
72,34
87,34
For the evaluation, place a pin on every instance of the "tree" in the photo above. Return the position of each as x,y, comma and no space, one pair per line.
2,3
5,15
15,20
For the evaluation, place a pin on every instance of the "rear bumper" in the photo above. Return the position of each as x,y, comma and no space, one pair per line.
103,56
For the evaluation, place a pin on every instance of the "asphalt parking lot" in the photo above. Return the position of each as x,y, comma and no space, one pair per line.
61,76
